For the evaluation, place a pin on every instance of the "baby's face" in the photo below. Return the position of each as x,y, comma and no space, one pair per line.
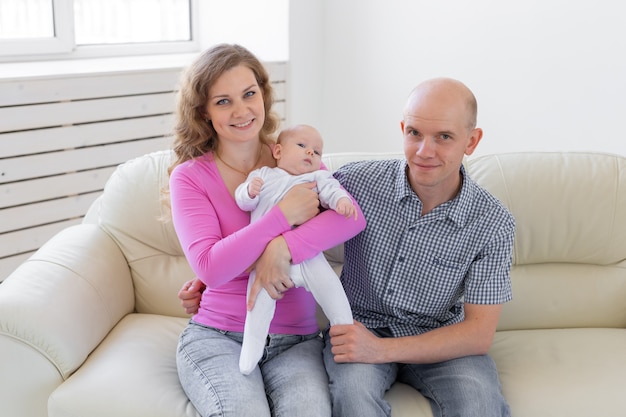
300,151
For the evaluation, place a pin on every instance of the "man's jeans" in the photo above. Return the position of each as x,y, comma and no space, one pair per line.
467,387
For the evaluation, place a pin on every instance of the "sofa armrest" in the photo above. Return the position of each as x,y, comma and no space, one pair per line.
57,307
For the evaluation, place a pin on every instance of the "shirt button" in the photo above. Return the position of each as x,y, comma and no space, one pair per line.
401,259
389,292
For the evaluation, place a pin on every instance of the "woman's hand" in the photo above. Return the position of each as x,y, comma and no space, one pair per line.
301,203
272,271
190,295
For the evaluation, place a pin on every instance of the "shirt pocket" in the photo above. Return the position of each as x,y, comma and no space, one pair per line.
442,285
447,265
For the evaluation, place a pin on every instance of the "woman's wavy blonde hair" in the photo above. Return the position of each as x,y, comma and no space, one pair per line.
194,135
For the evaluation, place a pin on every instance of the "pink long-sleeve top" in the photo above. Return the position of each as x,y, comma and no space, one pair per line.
220,244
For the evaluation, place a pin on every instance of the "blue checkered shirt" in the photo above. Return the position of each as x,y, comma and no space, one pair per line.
407,274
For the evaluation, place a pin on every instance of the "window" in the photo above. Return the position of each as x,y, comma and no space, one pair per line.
88,28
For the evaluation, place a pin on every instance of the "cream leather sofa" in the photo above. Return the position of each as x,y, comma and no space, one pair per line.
89,324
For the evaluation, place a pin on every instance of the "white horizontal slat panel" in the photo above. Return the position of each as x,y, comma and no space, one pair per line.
31,91
280,109
62,136
54,163
9,264
40,189
28,240
279,92
51,211
276,70
74,112
77,136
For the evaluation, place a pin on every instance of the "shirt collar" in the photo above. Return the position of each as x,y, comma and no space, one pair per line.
460,205
402,187
456,209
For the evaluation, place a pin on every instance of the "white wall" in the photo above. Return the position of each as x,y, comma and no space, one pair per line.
260,26
548,74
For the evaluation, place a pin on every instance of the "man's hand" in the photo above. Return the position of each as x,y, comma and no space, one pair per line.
190,295
354,343
472,336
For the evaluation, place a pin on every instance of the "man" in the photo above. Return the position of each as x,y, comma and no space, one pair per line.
427,277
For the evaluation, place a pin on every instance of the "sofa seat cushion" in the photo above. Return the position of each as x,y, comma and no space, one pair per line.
540,368
131,373
405,401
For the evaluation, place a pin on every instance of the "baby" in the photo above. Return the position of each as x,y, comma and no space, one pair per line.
298,155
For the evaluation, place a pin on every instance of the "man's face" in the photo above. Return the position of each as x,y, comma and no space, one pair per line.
436,137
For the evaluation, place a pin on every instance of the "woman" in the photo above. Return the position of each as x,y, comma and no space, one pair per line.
224,130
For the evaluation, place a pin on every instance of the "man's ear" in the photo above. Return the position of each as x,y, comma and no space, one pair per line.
476,136
402,126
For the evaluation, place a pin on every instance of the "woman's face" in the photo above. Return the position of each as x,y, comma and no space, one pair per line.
235,105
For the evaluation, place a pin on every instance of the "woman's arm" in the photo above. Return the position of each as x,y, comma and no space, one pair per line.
323,232
217,237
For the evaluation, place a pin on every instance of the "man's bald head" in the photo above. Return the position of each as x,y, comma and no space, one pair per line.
447,89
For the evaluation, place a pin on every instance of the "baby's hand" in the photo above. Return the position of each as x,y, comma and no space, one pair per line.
346,208
254,188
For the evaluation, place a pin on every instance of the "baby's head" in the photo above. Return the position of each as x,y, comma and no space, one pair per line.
298,150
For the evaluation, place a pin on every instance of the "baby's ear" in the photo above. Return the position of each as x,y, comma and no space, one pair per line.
277,151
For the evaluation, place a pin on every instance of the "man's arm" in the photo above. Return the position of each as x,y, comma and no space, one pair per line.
472,336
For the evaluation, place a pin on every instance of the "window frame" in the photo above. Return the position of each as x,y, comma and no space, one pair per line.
63,46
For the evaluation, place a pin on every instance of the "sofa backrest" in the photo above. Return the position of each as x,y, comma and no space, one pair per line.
569,265
569,261
132,211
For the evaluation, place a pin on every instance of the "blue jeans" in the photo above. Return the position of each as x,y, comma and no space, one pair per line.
289,381
467,386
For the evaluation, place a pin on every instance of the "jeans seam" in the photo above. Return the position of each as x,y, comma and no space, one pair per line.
203,376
